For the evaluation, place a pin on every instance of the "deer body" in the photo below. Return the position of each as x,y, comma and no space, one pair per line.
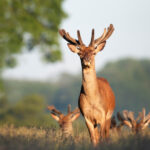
96,102
96,99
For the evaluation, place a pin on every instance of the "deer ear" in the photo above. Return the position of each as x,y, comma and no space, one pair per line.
75,117
73,48
99,47
55,117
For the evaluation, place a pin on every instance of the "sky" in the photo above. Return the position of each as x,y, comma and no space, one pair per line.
131,38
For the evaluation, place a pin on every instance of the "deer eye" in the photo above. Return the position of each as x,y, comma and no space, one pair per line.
95,46
78,47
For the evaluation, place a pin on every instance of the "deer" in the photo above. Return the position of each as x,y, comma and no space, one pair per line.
116,127
65,121
137,124
96,100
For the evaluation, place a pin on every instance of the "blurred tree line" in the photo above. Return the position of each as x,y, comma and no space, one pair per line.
129,78
29,111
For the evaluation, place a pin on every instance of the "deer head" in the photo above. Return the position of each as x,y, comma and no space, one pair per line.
135,124
87,53
65,121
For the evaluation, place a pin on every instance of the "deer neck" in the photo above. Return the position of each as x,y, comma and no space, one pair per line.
89,80
67,129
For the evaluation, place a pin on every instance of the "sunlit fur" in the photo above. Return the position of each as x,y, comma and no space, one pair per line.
96,102
136,124
65,121
96,99
86,57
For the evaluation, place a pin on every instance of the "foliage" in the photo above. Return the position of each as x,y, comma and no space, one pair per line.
67,92
29,23
129,79
60,93
30,111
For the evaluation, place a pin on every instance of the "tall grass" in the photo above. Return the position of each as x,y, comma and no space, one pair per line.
23,138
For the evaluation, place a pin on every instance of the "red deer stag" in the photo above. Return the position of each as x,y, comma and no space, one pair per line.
136,125
96,100
65,121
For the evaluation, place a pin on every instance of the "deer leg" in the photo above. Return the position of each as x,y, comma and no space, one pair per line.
97,134
107,127
91,130
102,131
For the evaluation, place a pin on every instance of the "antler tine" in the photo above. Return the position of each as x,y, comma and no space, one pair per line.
69,108
125,114
147,118
79,38
145,121
54,110
131,118
92,39
100,38
120,117
124,119
76,110
139,116
67,37
109,32
105,35
143,115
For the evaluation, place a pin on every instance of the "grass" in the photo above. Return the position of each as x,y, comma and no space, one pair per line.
23,138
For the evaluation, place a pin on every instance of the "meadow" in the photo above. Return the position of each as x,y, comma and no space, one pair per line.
23,138
40,132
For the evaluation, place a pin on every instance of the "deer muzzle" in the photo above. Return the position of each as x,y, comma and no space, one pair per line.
86,62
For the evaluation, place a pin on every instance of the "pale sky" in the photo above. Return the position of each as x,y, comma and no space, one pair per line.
131,38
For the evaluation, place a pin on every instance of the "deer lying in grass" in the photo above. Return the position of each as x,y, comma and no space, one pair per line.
96,100
65,121
135,124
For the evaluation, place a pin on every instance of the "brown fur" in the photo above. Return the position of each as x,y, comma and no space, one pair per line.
97,105
65,121
135,124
